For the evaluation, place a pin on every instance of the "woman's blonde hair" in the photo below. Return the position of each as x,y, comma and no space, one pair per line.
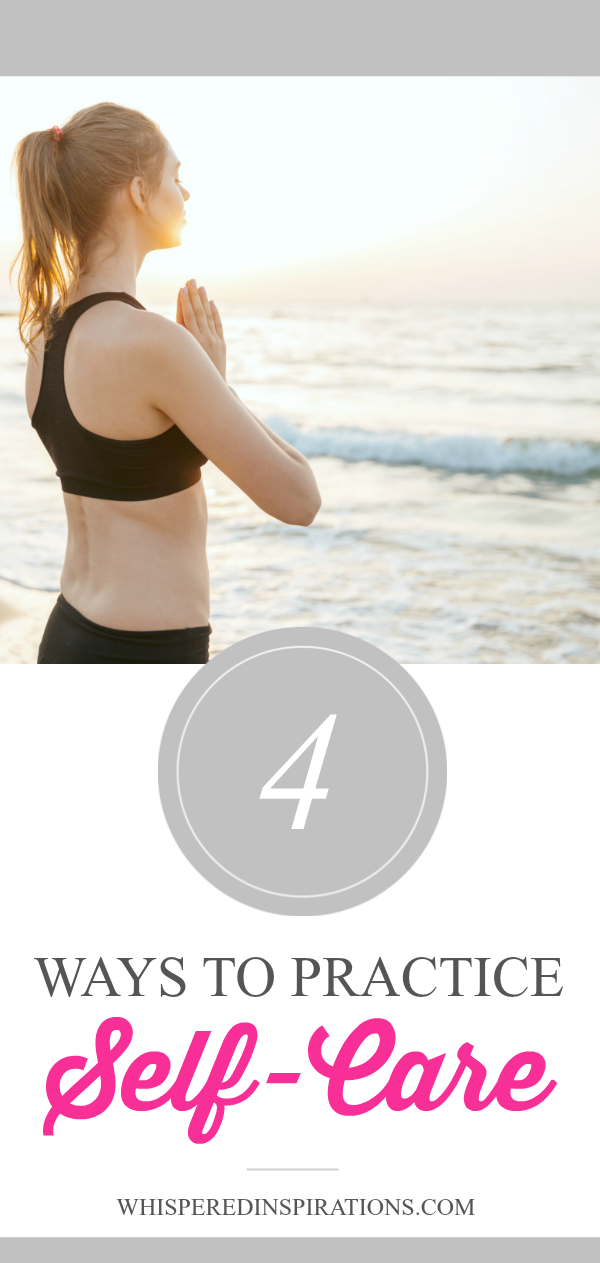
66,181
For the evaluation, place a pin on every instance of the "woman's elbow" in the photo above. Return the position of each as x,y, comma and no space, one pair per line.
308,508
303,511
298,502
308,515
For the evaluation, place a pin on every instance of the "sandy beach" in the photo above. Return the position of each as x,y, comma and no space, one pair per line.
23,615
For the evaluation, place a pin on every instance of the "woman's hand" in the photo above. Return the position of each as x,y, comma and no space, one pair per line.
201,318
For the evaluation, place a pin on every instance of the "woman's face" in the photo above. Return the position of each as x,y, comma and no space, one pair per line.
167,204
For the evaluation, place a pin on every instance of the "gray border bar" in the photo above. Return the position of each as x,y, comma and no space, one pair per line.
307,37
298,1249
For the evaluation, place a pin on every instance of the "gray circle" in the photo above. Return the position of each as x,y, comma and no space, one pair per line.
377,796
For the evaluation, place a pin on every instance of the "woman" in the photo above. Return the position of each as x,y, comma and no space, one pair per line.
130,405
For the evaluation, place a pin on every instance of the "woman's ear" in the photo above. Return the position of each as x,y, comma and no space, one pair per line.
138,194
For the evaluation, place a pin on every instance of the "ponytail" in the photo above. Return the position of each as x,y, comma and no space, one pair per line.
65,183
48,253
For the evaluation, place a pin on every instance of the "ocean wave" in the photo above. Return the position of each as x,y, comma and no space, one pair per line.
464,453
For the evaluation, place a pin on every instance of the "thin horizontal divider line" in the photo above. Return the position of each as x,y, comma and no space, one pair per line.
292,1168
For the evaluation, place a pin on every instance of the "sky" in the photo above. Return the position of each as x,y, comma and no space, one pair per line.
394,189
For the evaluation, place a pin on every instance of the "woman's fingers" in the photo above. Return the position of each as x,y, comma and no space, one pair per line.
203,321
189,315
207,307
202,304
217,319
199,307
179,313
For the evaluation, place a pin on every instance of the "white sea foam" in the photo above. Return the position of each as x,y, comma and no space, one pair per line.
456,452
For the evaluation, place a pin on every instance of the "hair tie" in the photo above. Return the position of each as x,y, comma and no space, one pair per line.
57,133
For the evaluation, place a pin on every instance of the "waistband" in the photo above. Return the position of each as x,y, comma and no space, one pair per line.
170,636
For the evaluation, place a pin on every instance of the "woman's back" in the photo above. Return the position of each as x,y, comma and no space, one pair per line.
135,505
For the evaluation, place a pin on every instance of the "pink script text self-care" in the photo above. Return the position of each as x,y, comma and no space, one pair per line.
232,1060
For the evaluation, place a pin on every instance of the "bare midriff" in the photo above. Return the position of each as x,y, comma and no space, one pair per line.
138,565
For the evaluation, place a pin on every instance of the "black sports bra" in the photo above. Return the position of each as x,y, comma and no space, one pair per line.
89,464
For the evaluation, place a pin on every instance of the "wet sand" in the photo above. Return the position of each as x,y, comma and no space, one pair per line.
23,616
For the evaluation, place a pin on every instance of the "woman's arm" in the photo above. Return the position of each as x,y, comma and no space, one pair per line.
183,383
33,373
285,447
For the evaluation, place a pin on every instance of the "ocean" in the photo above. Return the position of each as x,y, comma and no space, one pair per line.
457,450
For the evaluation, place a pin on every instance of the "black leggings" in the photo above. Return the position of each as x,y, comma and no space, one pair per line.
69,637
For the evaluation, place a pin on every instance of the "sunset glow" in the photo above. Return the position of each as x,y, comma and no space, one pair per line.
475,189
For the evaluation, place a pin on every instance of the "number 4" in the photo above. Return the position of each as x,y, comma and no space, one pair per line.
308,791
